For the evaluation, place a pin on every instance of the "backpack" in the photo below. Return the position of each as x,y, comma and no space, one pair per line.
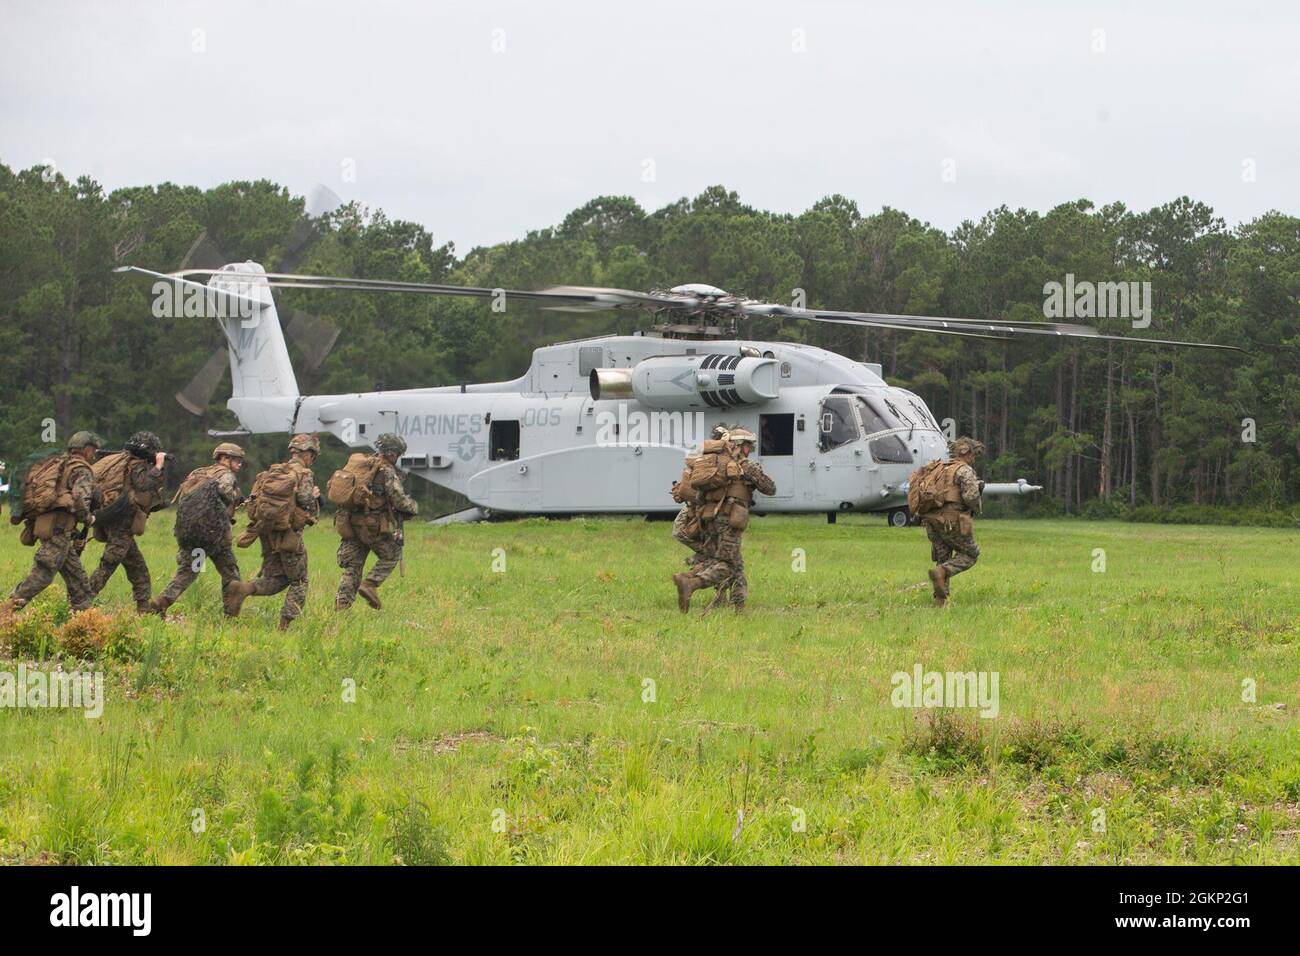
708,471
202,520
45,486
681,489
18,509
349,487
932,486
110,475
196,478
273,499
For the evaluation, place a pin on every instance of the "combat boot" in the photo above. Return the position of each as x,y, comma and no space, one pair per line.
159,606
8,608
939,579
235,594
144,607
370,595
342,604
284,623
687,584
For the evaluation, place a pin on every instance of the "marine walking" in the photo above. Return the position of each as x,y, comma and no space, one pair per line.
372,506
205,511
946,495
724,480
59,492
283,501
130,484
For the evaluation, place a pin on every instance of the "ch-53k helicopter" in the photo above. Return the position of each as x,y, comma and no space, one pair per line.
601,425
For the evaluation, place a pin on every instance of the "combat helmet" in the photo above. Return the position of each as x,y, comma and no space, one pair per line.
143,444
390,443
307,442
965,445
741,434
229,449
83,439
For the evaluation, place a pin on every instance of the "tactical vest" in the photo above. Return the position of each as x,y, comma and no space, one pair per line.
719,501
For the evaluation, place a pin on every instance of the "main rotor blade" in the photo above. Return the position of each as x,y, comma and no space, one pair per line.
288,280
1008,331
869,324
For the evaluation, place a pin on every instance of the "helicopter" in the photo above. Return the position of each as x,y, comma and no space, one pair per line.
601,425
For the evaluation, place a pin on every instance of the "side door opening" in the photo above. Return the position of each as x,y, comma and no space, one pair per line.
503,440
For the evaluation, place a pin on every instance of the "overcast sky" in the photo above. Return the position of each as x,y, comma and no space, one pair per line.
485,119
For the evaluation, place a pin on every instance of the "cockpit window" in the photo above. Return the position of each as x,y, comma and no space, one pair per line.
872,420
925,416
890,450
899,415
837,426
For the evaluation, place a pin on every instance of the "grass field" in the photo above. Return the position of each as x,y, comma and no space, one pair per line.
563,711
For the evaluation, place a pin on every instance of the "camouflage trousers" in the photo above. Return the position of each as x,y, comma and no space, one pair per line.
121,549
59,555
722,566
681,533
952,541
352,559
281,570
222,558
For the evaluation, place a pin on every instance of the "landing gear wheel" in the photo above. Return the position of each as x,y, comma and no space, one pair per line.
899,518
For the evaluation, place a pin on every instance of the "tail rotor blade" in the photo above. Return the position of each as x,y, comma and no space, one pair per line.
204,254
196,396
313,335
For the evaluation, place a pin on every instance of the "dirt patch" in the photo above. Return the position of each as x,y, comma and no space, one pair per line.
446,744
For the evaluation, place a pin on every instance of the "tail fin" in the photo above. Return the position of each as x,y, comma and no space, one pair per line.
264,390
259,358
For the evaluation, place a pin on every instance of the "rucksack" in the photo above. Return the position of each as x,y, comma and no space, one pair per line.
202,520
711,470
681,489
932,486
349,487
110,475
45,486
273,499
18,483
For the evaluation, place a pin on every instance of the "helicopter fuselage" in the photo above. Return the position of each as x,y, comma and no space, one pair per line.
833,435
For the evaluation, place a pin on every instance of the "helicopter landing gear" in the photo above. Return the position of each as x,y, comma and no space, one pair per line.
899,517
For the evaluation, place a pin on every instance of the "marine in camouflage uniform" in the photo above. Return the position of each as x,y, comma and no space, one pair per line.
376,529
284,553
724,509
951,529
688,531
228,458
58,553
144,477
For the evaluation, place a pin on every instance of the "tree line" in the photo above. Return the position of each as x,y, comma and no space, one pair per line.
1092,422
